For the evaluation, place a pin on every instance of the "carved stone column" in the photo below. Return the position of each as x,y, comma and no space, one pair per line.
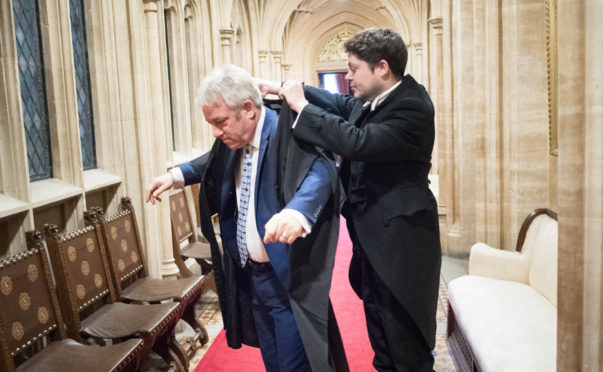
440,157
159,235
499,147
435,90
262,59
459,69
226,35
286,68
580,186
277,60
417,61
193,65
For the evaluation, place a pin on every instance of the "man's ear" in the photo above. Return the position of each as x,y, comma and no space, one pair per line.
382,68
248,109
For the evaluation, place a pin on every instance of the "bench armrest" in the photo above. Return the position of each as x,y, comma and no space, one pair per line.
498,264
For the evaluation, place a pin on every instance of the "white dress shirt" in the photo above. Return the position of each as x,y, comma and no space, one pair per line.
255,244
381,97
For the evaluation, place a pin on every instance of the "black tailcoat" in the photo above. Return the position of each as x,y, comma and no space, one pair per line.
387,156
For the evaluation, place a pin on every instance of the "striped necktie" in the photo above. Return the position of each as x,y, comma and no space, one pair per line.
244,205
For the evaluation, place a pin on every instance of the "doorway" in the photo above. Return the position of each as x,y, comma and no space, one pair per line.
334,82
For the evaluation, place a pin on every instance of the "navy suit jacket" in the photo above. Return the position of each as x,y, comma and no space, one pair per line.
288,176
311,197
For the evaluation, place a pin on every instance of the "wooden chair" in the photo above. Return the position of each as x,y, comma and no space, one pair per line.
32,332
184,231
195,189
86,292
129,274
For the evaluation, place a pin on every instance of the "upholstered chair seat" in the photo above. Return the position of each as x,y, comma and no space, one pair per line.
200,252
71,356
119,319
154,290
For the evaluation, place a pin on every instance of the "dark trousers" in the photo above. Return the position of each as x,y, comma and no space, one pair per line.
395,338
280,343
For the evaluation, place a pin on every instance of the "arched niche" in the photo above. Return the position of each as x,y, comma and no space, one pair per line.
329,54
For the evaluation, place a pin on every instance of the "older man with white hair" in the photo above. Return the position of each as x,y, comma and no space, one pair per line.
277,203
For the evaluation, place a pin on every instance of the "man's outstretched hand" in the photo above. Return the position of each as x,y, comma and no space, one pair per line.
157,186
267,86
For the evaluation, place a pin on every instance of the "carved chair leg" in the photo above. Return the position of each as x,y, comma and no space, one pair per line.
184,271
177,361
177,350
210,282
163,346
188,316
206,267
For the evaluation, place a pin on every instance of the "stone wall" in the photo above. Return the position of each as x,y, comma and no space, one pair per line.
484,64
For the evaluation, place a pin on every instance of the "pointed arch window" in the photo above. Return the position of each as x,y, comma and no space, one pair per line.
33,88
82,79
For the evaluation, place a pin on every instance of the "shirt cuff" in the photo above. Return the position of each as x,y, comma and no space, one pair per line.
297,118
178,178
300,218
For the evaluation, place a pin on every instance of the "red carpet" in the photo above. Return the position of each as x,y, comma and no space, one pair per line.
350,317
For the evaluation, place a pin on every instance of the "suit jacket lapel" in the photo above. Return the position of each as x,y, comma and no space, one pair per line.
267,129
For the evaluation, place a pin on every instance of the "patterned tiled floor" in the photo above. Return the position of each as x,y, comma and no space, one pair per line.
443,359
211,317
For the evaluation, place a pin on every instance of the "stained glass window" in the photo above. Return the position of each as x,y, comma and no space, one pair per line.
33,88
82,80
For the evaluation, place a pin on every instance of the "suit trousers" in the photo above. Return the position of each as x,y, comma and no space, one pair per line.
280,342
395,338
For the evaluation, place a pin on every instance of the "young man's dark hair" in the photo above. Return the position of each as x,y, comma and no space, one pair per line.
374,44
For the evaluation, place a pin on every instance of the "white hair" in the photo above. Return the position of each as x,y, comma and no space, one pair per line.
231,84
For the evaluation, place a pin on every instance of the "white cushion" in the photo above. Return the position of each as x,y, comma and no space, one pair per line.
510,326
543,260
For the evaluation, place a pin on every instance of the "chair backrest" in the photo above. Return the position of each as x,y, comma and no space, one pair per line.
538,239
29,309
183,231
81,272
123,245
180,218
195,189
